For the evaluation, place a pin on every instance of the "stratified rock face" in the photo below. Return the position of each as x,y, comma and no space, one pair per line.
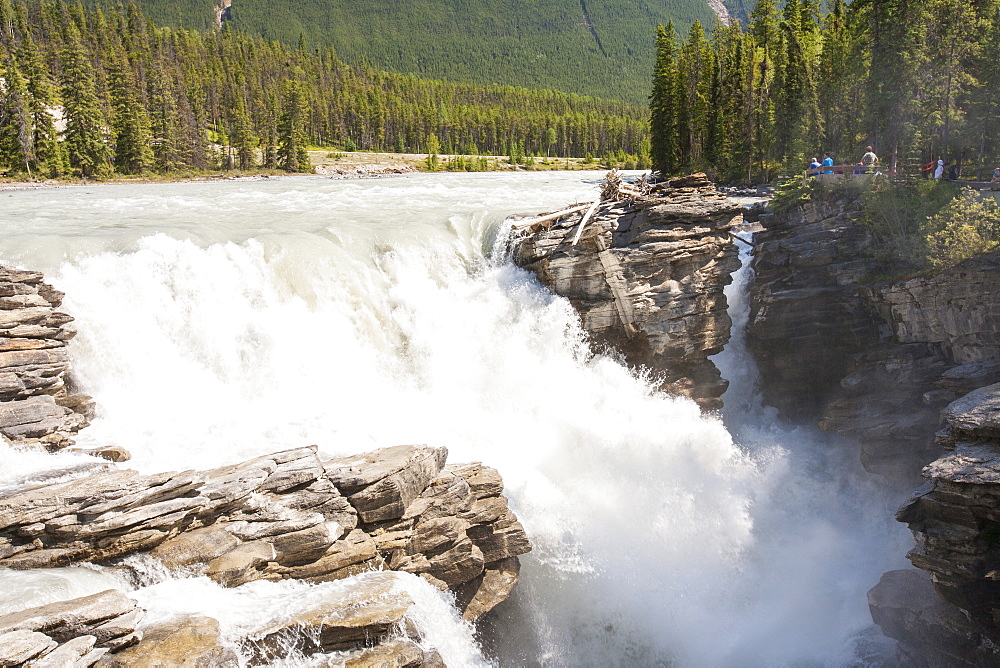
955,521
875,363
957,311
36,404
70,633
931,632
647,277
283,516
807,317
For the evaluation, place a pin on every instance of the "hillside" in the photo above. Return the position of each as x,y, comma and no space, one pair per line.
593,47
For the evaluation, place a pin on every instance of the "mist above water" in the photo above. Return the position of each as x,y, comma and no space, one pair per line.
219,321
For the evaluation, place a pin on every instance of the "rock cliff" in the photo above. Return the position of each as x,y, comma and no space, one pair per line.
285,515
950,614
37,402
874,362
886,364
647,275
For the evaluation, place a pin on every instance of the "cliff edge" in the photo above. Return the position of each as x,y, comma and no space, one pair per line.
646,272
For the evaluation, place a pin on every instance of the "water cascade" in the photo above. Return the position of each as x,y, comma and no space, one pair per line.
219,321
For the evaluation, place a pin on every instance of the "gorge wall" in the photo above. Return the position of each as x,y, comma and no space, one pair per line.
646,273
887,364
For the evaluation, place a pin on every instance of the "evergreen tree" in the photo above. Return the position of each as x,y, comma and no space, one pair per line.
292,154
17,150
85,132
131,127
663,114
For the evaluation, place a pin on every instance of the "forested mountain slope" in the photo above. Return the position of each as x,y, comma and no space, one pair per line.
594,47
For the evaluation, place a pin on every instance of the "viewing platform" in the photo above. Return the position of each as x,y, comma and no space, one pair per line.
843,173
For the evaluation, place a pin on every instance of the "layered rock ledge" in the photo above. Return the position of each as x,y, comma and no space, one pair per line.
37,400
647,275
949,612
283,516
873,362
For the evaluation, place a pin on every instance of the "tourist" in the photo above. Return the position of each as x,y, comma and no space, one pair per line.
813,167
996,175
939,170
953,171
869,159
827,162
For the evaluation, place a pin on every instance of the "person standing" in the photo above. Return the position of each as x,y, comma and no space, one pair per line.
939,170
996,175
869,159
827,162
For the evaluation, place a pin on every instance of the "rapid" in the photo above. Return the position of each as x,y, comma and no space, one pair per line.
223,320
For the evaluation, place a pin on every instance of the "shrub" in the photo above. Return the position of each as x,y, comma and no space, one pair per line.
965,227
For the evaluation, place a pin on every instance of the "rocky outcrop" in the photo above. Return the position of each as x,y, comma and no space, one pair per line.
955,520
37,402
956,312
364,620
807,317
70,633
647,277
871,362
281,516
286,515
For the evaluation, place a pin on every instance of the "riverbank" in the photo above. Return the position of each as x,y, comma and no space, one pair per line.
336,164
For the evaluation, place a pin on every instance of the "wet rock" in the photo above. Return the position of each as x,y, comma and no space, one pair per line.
647,277
189,642
394,653
479,596
65,620
930,632
382,484
808,317
19,646
78,652
36,404
362,613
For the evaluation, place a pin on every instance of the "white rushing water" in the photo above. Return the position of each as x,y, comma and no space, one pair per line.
219,321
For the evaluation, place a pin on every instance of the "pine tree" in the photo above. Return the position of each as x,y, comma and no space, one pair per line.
663,114
85,133
17,150
131,122
292,154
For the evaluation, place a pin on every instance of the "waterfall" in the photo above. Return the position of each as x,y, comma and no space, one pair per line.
219,321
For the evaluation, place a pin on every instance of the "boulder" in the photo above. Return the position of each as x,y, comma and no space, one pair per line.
188,642
364,612
20,646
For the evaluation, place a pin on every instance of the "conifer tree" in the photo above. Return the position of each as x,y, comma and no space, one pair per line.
292,154
131,122
17,151
663,115
85,134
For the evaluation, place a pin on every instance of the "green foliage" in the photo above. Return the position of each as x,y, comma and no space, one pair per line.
137,97
794,192
965,227
915,79
896,215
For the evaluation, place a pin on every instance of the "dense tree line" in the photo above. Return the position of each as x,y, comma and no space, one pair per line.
91,92
596,47
916,79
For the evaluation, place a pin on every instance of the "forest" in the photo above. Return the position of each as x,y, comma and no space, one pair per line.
602,48
94,92
916,79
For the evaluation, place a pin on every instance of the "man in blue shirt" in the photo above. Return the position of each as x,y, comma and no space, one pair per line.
827,162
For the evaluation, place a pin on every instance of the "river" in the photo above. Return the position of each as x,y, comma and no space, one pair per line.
223,320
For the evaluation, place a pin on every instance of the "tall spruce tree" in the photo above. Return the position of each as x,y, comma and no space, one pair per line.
131,127
86,129
663,114
292,154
